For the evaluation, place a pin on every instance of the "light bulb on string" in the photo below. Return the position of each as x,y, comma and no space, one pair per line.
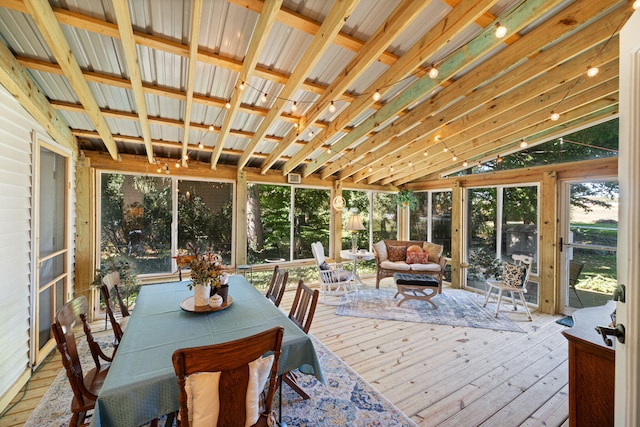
391,168
241,86
433,72
332,107
426,153
178,164
211,128
501,30
227,105
329,149
445,149
410,163
523,143
636,4
200,145
554,116
499,159
264,97
454,158
592,71
294,107
465,163
370,169
311,134
376,95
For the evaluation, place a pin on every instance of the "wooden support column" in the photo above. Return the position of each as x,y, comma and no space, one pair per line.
403,223
241,218
336,222
457,235
547,271
85,238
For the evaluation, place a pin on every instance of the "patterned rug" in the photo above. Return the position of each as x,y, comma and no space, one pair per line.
456,307
346,399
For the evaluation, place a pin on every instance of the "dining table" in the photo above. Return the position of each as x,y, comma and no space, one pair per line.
141,384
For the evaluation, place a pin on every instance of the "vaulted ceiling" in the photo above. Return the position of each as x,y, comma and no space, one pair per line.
341,89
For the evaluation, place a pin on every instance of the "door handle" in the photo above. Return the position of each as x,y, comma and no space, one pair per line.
561,241
617,332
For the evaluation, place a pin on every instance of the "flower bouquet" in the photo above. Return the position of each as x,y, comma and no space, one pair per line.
207,271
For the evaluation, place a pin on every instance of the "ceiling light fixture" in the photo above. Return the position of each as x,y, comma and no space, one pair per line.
592,71
332,107
501,30
433,72
376,95
554,116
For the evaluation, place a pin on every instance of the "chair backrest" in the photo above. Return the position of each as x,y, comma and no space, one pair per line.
278,283
304,306
63,332
525,261
231,360
112,281
115,325
318,253
575,268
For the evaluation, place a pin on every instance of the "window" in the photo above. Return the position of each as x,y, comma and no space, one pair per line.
431,220
501,221
385,217
204,210
312,220
356,201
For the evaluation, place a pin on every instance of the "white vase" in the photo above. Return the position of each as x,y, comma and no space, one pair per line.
200,295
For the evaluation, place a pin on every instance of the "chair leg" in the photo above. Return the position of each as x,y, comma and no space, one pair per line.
513,298
290,379
486,297
498,303
525,306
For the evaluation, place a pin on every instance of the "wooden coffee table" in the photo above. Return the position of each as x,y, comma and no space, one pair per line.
415,286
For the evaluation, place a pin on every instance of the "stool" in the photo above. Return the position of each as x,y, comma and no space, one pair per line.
244,269
415,286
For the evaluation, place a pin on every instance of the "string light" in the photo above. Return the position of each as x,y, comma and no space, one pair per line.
410,163
426,153
370,169
454,158
200,145
636,4
501,30
211,128
554,116
391,168
499,159
264,97
445,149
592,71
241,86
178,164
523,143
465,164
376,95
329,150
433,72
332,107
311,134
227,105
294,107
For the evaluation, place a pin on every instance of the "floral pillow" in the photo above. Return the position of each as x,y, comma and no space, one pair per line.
513,275
417,257
397,253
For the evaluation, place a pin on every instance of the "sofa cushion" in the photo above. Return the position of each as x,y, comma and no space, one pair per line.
397,253
434,250
381,249
414,248
417,257
431,267
399,266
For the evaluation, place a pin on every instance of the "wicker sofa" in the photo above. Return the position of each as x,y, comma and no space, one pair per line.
391,257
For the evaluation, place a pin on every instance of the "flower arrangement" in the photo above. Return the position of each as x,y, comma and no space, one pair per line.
206,267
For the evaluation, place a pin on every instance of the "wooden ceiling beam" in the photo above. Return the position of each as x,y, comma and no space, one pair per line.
45,20
323,39
125,27
479,46
401,17
258,39
462,96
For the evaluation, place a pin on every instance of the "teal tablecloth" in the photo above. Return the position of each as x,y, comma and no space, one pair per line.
141,384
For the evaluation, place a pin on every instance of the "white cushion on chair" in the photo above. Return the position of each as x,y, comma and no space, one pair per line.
203,389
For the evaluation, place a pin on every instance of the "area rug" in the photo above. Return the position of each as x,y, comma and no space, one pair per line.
565,321
456,307
346,399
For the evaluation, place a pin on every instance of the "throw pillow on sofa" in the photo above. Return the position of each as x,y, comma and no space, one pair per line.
417,257
434,250
381,248
397,253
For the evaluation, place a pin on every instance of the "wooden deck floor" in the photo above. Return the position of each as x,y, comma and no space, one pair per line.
438,375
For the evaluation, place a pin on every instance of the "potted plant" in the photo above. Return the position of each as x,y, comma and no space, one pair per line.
406,199
207,274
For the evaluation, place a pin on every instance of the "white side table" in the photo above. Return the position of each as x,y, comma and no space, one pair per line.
356,256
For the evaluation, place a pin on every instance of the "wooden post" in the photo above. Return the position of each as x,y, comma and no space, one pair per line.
336,223
85,244
548,217
241,218
457,236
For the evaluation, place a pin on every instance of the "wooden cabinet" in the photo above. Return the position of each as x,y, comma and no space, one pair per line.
591,369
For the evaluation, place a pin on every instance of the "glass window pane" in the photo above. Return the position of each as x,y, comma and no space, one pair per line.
356,201
385,217
520,223
268,223
419,218
204,212
441,220
481,236
136,219
312,219
53,180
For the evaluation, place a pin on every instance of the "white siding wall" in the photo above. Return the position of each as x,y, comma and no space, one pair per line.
16,162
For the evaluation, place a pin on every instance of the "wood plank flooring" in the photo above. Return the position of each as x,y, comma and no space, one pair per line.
436,374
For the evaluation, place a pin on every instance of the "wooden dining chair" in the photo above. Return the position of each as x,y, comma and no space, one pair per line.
301,313
85,387
277,286
221,384
109,288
